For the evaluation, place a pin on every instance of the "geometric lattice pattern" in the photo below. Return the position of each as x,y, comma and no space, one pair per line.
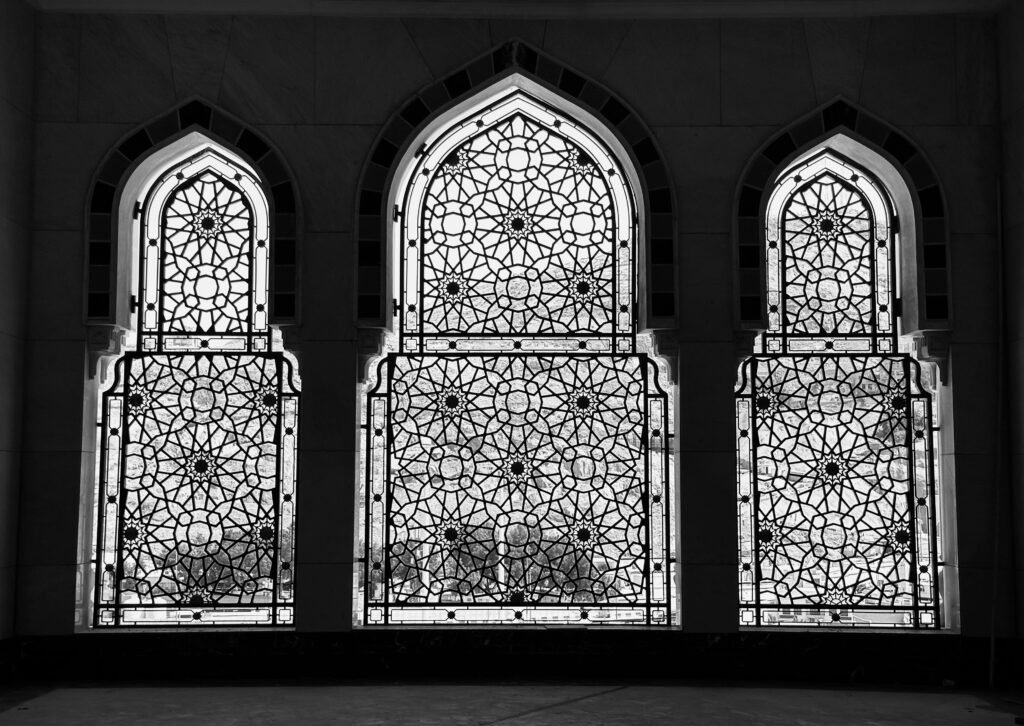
519,230
200,461
834,444
205,260
520,233
828,260
831,262
519,489
206,286
516,438
197,466
837,521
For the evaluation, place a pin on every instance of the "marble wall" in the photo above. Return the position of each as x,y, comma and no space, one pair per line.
16,87
322,89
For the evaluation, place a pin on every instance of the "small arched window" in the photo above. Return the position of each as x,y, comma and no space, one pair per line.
199,423
837,500
515,434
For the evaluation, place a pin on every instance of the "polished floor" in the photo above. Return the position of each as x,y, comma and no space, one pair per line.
506,704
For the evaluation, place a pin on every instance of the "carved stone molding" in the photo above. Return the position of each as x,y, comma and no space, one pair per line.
291,339
104,342
666,345
744,343
368,345
933,346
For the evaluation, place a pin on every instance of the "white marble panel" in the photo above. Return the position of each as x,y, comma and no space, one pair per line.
270,69
766,74
125,68
669,72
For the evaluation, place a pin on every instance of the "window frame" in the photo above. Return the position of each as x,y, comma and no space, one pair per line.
397,185
137,184
894,181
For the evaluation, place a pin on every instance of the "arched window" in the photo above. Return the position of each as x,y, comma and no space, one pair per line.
835,444
199,422
516,436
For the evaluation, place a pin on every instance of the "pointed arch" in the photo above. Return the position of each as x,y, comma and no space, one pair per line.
191,504
564,152
516,434
844,520
106,192
908,174
655,195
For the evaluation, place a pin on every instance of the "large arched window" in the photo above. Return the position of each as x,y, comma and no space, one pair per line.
196,491
835,427
516,437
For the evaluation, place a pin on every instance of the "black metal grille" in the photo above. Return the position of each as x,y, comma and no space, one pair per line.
517,489
517,440
837,518
198,446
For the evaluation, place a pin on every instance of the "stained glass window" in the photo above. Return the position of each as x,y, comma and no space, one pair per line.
197,465
517,431
835,429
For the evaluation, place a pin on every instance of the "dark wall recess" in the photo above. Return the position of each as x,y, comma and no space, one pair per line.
840,115
194,115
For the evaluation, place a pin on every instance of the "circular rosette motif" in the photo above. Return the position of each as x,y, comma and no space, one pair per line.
202,399
899,538
829,289
767,404
451,534
517,534
892,470
206,287
139,401
595,401
207,224
198,533
452,289
141,466
517,464
517,402
517,159
584,467
600,554
826,226
769,537
772,469
518,288
452,223
264,533
133,533
583,535
440,543
834,597
584,223
834,536
452,466
261,466
517,224
583,288
451,403
830,403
